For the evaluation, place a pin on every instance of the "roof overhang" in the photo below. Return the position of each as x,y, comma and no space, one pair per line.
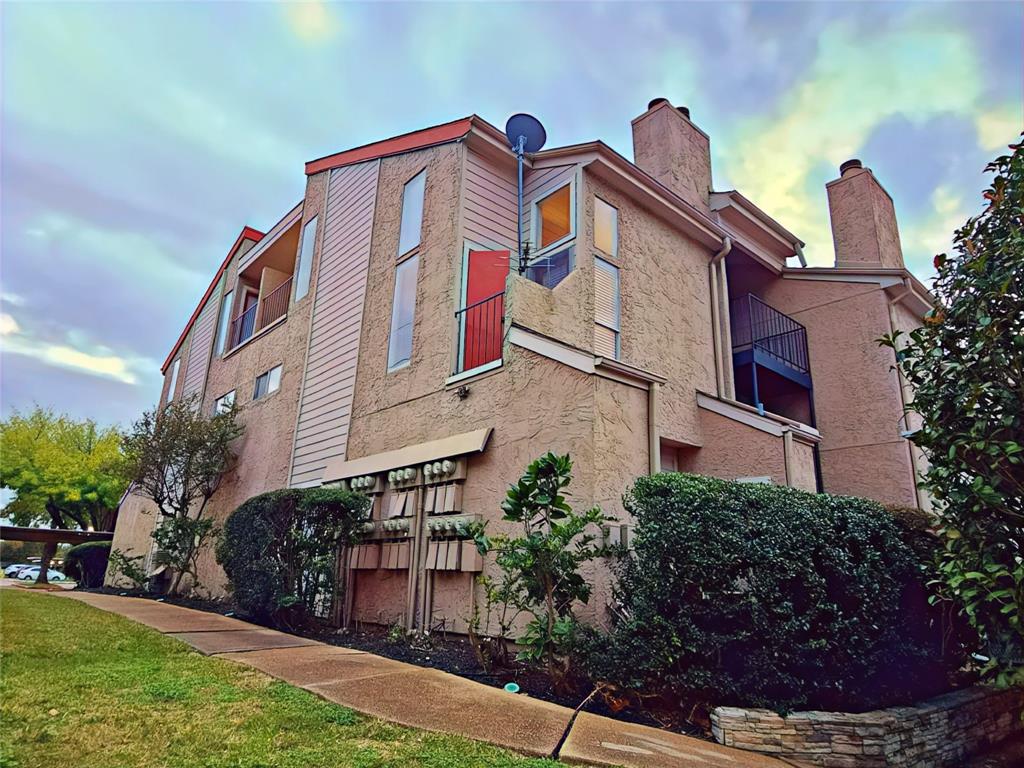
899,284
396,145
445,448
758,232
607,164
247,233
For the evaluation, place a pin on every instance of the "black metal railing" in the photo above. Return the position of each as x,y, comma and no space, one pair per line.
480,328
242,327
762,328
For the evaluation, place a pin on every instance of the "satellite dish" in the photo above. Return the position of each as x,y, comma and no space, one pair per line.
526,129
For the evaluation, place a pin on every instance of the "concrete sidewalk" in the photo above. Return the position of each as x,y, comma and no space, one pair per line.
427,698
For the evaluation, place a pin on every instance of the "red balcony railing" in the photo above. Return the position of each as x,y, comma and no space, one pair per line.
481,325
275,304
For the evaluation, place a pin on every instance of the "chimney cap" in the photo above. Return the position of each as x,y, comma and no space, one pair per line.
655,102
850,165
684,111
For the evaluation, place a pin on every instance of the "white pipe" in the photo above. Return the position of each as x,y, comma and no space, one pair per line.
716,314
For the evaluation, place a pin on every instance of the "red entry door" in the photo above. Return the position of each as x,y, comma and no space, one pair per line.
486,272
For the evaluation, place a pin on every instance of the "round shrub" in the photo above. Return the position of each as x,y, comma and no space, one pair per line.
766,596
87,563
279,551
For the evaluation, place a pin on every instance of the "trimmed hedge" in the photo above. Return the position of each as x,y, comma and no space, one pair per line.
279,551
766,596
87,563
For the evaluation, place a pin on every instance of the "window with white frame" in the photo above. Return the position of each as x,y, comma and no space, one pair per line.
173,383
304,268
267,382
412,213
224,403
606,309
553,219
606,227
403,314
223,322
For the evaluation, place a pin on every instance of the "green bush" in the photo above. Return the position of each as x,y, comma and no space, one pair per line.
765,596
87,563
279,551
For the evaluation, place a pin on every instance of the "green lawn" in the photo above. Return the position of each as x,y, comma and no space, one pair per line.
81,687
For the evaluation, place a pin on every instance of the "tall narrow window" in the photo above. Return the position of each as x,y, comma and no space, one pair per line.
223,322
172,385
553,217
606,227
403,313
606,309
305,266
412,213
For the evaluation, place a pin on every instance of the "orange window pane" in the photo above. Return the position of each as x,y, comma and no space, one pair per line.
554,217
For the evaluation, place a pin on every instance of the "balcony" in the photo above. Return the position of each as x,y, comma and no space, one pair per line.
770,359
266,311
481,332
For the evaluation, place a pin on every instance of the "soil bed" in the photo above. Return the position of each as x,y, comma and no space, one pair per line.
442,651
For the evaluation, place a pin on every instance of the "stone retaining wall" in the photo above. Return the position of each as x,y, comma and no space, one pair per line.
935,733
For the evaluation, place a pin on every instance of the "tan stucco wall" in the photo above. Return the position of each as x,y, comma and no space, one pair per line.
136,520
856,392
666,306
732,450
801,467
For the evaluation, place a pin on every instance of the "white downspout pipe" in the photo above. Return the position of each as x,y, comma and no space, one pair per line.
718,327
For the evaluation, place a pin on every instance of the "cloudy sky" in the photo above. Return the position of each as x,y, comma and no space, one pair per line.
138,138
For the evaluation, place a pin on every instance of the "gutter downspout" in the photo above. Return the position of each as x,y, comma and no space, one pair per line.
717,325
906,394
653,438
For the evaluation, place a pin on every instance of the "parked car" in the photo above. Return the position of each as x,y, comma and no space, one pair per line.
32,573
11,571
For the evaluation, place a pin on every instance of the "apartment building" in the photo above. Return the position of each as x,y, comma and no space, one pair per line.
386,334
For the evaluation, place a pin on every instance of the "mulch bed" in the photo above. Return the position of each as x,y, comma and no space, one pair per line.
445,652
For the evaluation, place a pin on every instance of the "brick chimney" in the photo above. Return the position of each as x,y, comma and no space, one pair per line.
668,146
863,220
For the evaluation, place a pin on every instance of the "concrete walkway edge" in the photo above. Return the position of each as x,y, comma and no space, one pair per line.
427,698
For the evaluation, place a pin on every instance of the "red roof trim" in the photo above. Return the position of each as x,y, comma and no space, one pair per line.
248,233
407,142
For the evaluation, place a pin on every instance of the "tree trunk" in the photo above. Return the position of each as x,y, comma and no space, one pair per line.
49,550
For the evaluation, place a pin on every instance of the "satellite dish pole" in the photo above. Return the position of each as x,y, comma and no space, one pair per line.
525,134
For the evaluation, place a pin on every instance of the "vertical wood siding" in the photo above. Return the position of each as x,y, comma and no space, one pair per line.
199,349
326,405
489,203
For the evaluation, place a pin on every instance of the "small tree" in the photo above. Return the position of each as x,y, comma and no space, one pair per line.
541,568
177,457
966,365
66,473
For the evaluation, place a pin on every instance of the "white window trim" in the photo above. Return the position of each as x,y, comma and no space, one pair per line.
173,383
615,234
269,391
617,328
460,330
535,221
224,321
412,254
423,204
216,403
304,258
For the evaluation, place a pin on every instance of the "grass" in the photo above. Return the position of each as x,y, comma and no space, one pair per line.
79,686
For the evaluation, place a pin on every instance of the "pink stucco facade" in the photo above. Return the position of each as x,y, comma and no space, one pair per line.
625,350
